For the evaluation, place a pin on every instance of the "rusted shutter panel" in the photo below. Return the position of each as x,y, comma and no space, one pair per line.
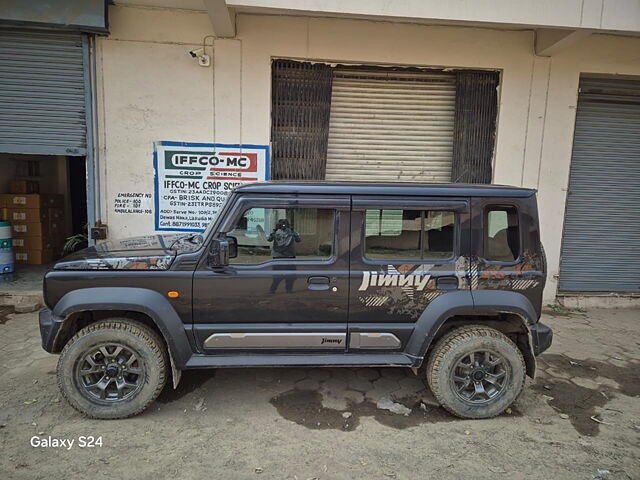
301,99
475,126
391,126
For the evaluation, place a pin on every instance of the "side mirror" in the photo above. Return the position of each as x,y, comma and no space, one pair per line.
233,246
218,253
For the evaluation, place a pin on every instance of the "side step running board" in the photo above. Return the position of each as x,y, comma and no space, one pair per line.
302,360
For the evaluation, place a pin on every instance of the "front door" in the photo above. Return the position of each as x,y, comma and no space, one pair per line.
287,288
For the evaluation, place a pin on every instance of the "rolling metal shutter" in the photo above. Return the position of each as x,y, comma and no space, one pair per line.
43,92
391,126
601,241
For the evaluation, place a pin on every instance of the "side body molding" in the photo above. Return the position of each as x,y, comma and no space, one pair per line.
151,303
461,303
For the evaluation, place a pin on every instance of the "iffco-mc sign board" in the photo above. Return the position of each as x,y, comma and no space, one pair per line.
192,180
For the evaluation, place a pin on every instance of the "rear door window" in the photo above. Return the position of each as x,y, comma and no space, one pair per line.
409,234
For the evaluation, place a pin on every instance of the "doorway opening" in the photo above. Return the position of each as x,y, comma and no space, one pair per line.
44,199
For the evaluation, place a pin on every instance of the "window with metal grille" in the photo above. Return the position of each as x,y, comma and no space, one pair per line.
300,102
382,124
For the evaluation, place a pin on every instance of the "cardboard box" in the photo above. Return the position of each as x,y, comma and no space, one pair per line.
35,243
27,168
24,201
35,200
55,213
5,199
56,224
56,230
28,215
29,229
33,257
24,186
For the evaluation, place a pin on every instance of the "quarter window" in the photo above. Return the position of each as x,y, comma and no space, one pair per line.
408,234
283,233
502,234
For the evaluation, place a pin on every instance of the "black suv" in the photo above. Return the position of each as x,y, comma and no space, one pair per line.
446,277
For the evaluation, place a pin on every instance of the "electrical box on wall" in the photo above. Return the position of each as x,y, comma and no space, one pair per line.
99,231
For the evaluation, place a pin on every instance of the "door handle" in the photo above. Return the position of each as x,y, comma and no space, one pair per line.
318,283
318,280
447,282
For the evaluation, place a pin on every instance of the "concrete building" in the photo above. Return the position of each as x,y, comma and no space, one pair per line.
535,93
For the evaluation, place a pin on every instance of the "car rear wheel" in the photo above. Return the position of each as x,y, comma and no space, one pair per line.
113,369
476,372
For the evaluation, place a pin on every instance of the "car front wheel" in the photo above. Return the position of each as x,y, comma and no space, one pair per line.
113,369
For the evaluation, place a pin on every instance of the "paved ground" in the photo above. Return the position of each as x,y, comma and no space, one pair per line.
26,280
579,419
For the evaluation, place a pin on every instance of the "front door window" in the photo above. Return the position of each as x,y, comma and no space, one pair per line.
283,234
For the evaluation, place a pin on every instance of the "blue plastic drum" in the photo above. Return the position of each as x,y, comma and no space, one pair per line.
6,248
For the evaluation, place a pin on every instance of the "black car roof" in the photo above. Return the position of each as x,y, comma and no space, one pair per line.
385,188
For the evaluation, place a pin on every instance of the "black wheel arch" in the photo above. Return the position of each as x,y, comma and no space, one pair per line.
82,307
508,312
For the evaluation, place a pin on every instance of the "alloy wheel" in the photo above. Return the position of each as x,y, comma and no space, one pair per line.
110,372
480,376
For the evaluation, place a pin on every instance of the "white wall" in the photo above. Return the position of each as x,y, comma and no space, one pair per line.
597,54
151,90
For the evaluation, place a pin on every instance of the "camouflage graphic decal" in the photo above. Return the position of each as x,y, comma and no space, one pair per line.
373,301
155,262
463,264
407,289
523,276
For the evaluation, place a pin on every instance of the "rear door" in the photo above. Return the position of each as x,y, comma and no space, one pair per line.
405,254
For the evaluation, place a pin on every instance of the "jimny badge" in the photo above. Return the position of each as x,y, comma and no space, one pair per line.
416,279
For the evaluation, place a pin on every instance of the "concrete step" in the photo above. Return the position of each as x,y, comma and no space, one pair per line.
23,301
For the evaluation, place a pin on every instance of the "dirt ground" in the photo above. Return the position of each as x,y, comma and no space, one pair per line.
579,419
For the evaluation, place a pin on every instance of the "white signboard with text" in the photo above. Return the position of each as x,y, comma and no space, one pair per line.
192,180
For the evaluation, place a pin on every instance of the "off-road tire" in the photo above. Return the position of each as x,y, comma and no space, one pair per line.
135,336
455,345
